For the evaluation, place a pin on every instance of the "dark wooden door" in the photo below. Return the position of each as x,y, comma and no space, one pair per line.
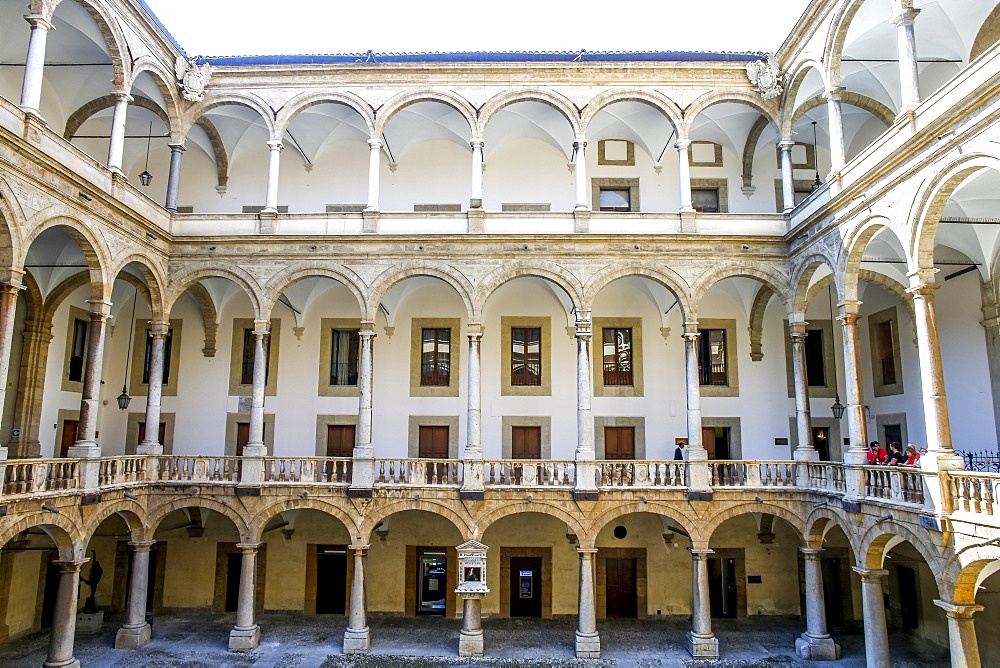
69,432
526,587
708,441
433,442
242,437
621,598
331,579
234,566
722,587
619,443
340,440
526,442
160,436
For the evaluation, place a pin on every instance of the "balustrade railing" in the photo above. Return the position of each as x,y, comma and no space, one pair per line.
894,483
334,470
640,474
121,470
529,473
826,476
974,492
418,472
174,468
28,476
752,473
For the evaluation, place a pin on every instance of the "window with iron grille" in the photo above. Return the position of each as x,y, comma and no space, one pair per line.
617,355
435,356
344,351
246,375
712,357
526,356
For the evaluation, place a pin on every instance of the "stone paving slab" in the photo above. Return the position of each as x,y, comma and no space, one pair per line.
288,640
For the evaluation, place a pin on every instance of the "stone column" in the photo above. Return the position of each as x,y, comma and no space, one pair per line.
357,636
962,634
374,168
8,310
702,643
855,408
363,467
476,201
135,632
580,172
876,637
698,476
470,640
174,175
909,87
116,148
588,641
64,617
86,444
684,171
472,459
273,172
815,644
838,156
805,450
151,442
31,385
246,634
31,88
787,175
255,445
940,455
586,469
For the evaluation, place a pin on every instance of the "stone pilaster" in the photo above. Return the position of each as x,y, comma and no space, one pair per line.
8,309
30,388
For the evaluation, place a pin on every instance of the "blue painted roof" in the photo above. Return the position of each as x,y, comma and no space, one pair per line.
487,57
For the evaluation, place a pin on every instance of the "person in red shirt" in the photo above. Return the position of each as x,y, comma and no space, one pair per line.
876,454
912,456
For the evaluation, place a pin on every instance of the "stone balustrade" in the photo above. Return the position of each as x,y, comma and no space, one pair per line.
327,470
973,492
894,483
629,473
529,473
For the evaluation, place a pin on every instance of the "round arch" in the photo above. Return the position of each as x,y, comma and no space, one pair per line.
114,38
154,281
794,83
219,99
968,568
559,102
767,275
709,525
551,272
259,521
157,514
299,271
820,521
94,250
684,521
930,201
802,276
837,38
665,276
654,99
164,81
702,103
184,280
855,243
873,544
398,273
399,102
302,102
540,507
11,223
441,508
130,512
65,533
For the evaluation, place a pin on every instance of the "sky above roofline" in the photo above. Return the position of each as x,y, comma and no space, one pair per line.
263,27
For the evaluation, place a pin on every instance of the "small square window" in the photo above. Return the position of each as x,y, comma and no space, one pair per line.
615,199
705,200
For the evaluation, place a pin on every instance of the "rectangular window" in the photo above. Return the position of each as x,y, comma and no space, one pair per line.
249,340
617,355
344,351
885,343
713,367
148,356
615,199
526,356
435,356
78,351
815,360
705,200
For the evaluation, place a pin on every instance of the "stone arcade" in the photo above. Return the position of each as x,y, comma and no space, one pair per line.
379,317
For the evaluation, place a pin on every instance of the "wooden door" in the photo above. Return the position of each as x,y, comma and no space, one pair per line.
526,442
331,579
69,431
619,443
708,440
620,588
142,432
340,440
242,437
433,442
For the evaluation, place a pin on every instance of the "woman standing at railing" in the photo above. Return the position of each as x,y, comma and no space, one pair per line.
912,456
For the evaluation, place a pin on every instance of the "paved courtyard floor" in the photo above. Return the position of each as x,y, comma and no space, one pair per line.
199,639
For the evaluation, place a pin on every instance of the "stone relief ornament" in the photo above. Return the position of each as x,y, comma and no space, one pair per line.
766,76
193,78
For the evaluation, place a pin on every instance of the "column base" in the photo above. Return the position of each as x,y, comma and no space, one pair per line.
588,646
700,647
154,449
817,649
68,663
357,641
470,643
132,637
244,640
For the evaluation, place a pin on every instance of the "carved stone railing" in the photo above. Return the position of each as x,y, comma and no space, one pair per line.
529,473
29,476
973,492
894,483
752,473
121,470
640,473
330,470
828,476
418,472
174,468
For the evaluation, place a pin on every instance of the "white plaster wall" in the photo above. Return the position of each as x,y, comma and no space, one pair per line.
528,171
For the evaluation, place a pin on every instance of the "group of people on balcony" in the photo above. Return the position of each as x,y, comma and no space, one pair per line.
896,456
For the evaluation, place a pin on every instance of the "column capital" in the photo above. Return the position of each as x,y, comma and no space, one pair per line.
834,93
375,144
923,281
586,552
367,328
870,574
39,21
275,144
691,330
159,328
100,309
71,565
849,307
797,330
142,545
682,144
474,330
786,144
261,327
584,324
812,553
701,552
359,548
248,548
122,96
905,17
176,147
476,142
956,611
